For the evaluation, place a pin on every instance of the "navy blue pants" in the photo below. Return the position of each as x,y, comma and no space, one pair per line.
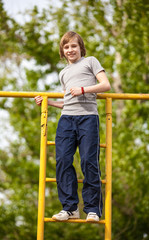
82,131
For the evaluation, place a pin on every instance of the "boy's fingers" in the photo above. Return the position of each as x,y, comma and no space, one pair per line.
37,97
38,100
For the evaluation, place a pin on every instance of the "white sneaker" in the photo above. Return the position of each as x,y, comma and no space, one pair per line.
92,217
65,215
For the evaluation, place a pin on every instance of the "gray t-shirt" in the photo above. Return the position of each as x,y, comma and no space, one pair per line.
82,73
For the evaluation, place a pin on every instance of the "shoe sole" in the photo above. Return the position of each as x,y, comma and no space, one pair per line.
91,220
63,219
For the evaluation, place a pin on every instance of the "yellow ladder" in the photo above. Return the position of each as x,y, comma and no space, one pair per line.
43,179
43,147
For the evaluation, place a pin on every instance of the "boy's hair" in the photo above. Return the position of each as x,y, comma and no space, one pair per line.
66,38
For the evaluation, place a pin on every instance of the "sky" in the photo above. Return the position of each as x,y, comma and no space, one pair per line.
15,6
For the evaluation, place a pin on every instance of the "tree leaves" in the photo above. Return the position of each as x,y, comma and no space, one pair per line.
116,32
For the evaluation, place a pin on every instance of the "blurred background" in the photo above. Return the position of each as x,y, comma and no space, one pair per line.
116,32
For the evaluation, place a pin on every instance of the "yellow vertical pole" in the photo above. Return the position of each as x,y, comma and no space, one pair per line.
42,171
108,189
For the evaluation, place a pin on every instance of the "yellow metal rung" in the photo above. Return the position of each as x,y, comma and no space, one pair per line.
74,221
53,143
79,180
50,143
102,145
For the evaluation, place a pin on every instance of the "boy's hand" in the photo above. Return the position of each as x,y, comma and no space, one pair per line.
76,91
38,100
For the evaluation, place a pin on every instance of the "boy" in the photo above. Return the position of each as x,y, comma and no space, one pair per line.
78,126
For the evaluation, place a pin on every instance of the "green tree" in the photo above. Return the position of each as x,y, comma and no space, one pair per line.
116,32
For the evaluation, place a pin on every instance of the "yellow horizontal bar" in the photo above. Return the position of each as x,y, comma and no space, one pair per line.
74,221
79,180
128,96
53,143
31,94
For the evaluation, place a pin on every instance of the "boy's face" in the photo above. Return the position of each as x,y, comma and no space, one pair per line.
72,51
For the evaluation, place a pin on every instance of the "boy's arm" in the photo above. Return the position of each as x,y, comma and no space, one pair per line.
102,86
57,104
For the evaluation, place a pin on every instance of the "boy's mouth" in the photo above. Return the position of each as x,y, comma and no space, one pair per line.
70,55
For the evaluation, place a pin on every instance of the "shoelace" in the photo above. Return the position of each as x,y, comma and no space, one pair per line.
62,211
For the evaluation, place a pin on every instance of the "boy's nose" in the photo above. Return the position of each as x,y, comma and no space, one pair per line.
70,49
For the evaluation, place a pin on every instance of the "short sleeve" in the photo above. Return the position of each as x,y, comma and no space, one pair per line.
96,66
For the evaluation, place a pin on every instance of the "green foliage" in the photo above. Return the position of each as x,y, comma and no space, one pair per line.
116,32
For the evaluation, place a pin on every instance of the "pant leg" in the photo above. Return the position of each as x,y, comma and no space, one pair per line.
89,153
66,145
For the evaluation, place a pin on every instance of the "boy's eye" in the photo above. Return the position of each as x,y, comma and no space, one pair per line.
73,46
65,47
